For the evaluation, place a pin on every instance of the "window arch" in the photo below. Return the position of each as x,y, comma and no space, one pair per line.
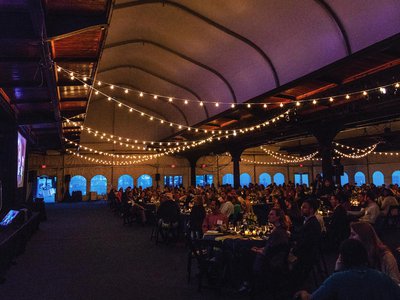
78,183
98,184
145,181
124,181
279,178
245,179
378,178
265,179
227,179
359,178
396,177
344,179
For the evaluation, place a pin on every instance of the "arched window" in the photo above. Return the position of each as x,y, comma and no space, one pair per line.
245,179
145,181
78,183
265,179
359,178
279,178
344,179
396,177
378,178
98,184
227,179
124,181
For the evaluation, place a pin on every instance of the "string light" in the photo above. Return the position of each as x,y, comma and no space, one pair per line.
382,89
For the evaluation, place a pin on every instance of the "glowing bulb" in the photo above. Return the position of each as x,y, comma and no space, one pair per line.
170,99
186,102
142,114
330,99
314,101
248,105
233,105
365,93
151,118
170,124
109,98
382,90
58,69
155,97
217,104
297,103
96,92
99,83
265,105
112,87
84,78
189,129
201,103
347,96
119,104
281,105
180,126
397,85
126,91
162,121
141,94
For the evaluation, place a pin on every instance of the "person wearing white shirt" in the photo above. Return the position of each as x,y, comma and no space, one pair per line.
369,213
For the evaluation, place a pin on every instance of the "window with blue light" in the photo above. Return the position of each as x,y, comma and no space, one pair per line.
279,179
301,178
145,181
78,183
227,179
265,179
173,181
245,179
359,178
396,177
98,184
202,180
344,179
378,178
125,181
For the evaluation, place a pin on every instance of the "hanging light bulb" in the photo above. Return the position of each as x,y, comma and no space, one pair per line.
201,103
314,102
186,102
297,103
99,83
155,97
112,87
347,96
141,94
330,99
170,99
109,98
265,105
365,93
216,104
126,91
233,105
248,105
281,105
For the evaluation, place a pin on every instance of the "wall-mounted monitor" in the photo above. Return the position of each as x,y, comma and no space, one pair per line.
21,160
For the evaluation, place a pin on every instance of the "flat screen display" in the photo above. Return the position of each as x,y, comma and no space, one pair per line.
21,160
10,216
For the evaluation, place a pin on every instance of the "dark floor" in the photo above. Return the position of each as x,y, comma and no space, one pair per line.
83,252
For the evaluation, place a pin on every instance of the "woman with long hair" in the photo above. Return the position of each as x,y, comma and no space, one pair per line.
379,255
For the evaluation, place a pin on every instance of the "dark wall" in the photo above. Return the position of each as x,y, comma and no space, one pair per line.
8,159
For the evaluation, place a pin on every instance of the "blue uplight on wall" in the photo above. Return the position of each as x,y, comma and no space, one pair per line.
265,179
359,178
378,178
227,179
98,184
245,179
279,178
144,181
125,181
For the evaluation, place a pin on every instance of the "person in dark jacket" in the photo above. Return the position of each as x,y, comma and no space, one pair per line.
197,216
338,228
168,216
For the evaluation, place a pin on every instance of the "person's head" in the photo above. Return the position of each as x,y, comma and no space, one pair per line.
369,196
365,233
215,205
198,200
334,200
276,216
309,207
353,254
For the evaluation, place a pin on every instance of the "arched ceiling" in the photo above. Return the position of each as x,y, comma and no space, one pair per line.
225,51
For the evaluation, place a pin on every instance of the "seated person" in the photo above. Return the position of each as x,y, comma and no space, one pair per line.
369,213
356,280
388,201
379,255
168,213
215,219
268,257
227,207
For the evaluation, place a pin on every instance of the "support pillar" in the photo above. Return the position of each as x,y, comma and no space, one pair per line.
236,153
193,161
325,133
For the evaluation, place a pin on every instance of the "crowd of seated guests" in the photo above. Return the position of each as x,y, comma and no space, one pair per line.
295,211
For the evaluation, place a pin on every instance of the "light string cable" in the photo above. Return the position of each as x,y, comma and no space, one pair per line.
289,158
359,153
162,121
186,101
